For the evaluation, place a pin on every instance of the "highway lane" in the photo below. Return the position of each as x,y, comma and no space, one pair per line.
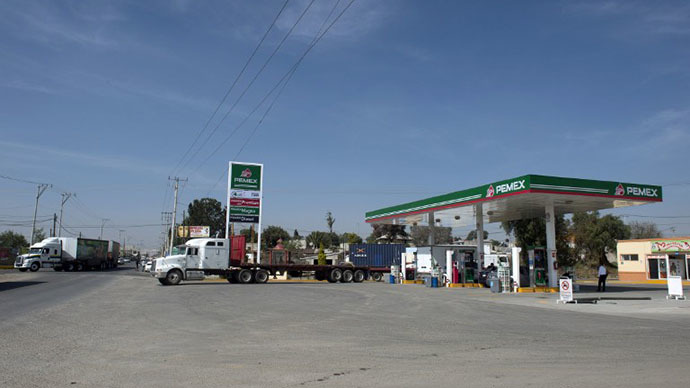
123,329
22,293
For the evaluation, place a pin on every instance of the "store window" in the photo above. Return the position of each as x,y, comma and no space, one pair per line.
629,257
656,267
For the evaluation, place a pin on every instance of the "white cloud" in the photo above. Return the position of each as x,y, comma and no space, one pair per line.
638,17
37,152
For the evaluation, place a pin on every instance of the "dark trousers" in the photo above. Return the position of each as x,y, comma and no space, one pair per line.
601,286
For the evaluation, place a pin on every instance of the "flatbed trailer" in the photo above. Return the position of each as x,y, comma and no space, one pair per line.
260,273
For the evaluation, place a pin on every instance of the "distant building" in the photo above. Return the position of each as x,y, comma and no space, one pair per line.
653,259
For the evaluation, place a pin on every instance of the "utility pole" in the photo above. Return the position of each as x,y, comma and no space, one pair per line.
165,219
103,221
65,197
124,245
41,188
52,232
172,226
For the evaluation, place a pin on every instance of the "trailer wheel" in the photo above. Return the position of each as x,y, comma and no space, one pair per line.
163,282
57,269
261,276
319,275
347,276
174,277
358,276
23,269
80,267
376,276
245,276
335,275
69,267
35,266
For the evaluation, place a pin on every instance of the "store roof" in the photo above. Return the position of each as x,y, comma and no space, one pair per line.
519,198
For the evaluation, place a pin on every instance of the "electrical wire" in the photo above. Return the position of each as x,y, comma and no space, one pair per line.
22,180
249,85
287,75
232,87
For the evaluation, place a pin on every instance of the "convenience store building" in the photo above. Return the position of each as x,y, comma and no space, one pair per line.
653,259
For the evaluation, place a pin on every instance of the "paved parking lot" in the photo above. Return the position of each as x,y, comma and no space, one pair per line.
122,328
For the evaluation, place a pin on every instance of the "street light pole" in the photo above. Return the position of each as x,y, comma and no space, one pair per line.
104,220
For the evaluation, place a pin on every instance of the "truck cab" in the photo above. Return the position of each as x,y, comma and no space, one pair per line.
200,256
46,253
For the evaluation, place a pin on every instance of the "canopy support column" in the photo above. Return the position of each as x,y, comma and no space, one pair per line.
479,218
432,223
551,244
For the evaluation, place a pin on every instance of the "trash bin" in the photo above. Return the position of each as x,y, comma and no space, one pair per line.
494,283
392,278
434,282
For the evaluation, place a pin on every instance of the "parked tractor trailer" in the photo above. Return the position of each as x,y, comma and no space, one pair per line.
69,254
216,256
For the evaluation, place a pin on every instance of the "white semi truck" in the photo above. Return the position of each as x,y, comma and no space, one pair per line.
69,254
212,256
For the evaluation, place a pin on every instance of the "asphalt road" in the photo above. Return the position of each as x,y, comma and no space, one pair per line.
122,329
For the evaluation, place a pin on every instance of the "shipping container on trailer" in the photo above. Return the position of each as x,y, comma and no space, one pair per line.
379,256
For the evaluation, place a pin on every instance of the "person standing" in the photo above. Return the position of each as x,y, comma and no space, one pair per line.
601,286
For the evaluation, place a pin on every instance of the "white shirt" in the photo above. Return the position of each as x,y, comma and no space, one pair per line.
602,270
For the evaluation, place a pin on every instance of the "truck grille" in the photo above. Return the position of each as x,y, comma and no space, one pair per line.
18,261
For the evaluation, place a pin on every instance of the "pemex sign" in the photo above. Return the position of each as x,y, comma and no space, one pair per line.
244,192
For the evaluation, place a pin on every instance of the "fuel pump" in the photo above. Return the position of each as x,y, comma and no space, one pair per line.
537,266
469,267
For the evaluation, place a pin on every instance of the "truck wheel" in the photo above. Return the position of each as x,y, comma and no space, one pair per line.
335,275
261,276
23,269
347,276
245,276
376,276
69,267
173,278
358,276
164,282
34,266
80,267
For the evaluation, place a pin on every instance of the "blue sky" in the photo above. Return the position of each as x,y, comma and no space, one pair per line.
400,100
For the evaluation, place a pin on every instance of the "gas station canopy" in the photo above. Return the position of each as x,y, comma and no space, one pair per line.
523,197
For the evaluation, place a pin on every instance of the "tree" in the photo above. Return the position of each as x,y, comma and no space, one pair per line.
472,235
333,239
39,235
420,235
644,230
330,221
207,212
595,236
12,240
271,235
351,238
295,234
247,233
532,232
390,232
322,256
317,238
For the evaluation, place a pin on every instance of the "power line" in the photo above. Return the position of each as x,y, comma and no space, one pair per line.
22,180
232,87
287,75
249,85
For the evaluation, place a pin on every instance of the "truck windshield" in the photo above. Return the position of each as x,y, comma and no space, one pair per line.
35,250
